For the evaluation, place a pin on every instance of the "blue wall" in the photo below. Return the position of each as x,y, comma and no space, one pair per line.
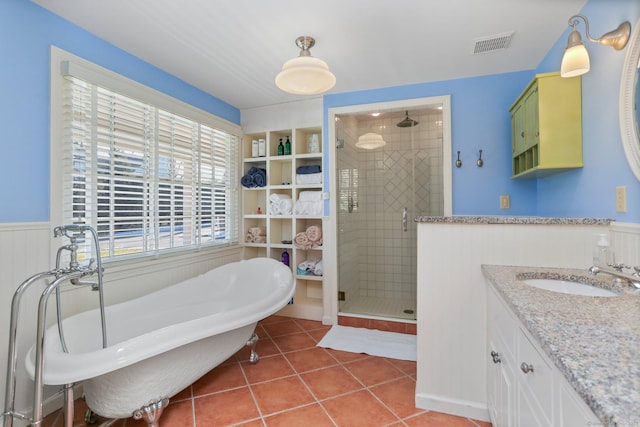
26,33
479,113
480,120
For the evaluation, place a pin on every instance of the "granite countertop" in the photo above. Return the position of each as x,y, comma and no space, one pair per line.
594,341
464,219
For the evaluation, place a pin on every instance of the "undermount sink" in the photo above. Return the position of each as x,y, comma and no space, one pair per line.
566,287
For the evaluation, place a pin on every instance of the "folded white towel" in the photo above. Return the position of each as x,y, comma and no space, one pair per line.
310,178
286,206
310,196
309,208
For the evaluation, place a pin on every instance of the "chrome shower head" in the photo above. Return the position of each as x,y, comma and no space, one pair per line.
407,122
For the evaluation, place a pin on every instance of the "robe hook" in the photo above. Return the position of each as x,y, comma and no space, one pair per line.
458,162
480,162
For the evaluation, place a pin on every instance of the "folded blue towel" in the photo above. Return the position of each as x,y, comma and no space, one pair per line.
309,169
256,177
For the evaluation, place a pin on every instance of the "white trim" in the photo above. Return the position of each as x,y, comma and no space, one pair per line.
330,284
627,108
462,408
23,226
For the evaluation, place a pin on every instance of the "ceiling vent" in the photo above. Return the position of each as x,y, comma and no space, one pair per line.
492,43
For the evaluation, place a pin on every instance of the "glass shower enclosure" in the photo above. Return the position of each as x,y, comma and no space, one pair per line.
379,193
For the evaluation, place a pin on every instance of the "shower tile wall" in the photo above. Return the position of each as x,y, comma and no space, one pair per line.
407,172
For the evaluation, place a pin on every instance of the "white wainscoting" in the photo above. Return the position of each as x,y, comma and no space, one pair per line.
452,300
625,240
27,248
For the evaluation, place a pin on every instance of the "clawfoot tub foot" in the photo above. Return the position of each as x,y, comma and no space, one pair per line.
253,341
151,412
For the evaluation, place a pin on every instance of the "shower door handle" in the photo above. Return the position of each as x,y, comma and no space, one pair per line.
404,219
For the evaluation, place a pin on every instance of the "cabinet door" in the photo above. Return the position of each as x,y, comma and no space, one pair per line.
574,412
517,129
531,120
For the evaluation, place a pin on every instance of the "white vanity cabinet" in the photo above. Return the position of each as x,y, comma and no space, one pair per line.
525,389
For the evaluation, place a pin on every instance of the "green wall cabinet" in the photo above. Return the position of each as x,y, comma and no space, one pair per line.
546,123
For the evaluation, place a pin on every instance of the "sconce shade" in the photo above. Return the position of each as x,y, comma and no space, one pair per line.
575,61
370,141
305,75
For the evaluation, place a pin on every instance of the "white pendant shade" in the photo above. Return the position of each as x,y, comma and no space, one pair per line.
575,61
370,141
305,75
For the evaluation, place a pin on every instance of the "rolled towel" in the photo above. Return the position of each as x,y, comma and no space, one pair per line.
317,244
260,239
317,269
276,197
274,208
314,233
308,264
249,238
301,241
286,206
310,196
247,181
259,176
308,169
257,231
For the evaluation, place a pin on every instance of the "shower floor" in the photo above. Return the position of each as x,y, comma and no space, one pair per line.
383,307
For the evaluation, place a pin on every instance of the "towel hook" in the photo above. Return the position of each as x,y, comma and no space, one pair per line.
458,162
480,162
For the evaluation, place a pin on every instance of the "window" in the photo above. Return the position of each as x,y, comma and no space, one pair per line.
148,179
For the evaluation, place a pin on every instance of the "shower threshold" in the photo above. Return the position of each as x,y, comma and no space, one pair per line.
377,308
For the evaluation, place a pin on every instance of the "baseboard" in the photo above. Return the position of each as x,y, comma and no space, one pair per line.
461,408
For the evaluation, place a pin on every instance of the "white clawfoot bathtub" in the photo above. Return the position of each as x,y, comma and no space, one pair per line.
160,343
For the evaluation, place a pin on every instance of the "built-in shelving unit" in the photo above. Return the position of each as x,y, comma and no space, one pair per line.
281,229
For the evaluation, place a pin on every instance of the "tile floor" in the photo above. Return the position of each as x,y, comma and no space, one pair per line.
297,384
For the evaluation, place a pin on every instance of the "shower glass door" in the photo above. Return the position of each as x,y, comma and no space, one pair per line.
380,191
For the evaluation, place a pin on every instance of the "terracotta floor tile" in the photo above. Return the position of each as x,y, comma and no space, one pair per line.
294,342
407,366
178,414
274,319
182,395
268,368
312,325
483,423
282,328
352,409
265,347
312,415
310,359
399,396
346,356
254,423
437,419
224,377
330,382
278,395
318,334
373,370
222,409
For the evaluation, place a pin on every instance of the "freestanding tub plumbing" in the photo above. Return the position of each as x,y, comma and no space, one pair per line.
160,343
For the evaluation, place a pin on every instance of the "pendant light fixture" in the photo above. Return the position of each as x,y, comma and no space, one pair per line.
305,75
370,141
575,60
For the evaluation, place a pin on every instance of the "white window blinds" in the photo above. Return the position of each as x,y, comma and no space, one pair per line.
147,179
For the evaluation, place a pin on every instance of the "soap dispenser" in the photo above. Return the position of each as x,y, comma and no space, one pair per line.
602,252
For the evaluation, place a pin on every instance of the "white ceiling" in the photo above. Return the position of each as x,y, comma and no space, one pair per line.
233,49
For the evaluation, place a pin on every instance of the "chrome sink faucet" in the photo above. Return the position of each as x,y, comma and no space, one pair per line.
617,270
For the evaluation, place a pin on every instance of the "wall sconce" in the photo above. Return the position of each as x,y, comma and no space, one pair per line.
370,141
305,75
575,60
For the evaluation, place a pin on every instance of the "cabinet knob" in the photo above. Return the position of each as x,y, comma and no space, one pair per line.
495,356
526,368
